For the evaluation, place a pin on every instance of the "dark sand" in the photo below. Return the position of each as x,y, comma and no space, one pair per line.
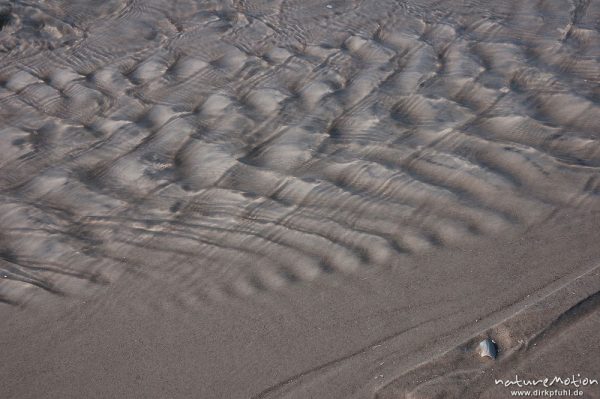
297,199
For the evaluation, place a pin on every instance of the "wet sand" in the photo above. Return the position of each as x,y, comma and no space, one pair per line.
297,199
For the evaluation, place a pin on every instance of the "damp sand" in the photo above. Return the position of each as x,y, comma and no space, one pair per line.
297,199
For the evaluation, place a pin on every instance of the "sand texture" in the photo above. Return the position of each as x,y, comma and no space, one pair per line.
297,198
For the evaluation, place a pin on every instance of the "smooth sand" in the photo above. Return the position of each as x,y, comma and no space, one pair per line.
297,199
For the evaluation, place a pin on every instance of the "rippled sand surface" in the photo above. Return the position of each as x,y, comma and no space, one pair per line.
296,198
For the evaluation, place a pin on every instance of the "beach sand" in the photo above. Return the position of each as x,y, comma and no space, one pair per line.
298,199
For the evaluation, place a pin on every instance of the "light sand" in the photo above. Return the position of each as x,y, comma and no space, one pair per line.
297,199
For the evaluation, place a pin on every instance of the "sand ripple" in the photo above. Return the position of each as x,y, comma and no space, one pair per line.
229,147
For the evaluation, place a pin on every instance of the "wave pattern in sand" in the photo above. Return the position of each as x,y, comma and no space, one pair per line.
236,146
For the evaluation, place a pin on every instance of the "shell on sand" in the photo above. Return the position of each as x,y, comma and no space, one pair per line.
487,348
